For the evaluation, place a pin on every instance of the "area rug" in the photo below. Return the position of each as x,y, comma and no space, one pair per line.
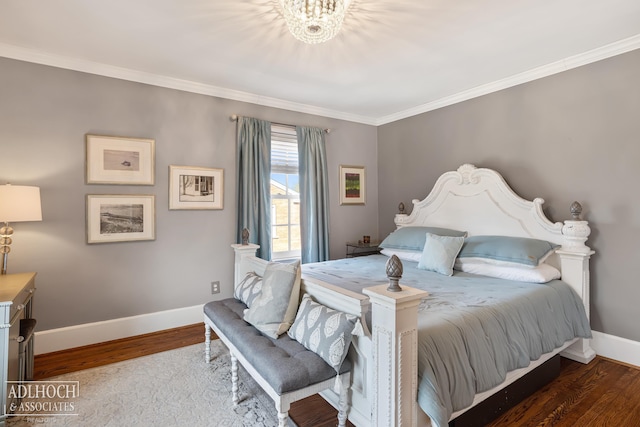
172,388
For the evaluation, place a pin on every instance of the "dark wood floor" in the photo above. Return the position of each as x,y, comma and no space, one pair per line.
602,393
91,356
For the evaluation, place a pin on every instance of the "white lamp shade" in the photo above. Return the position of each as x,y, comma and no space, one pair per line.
20,203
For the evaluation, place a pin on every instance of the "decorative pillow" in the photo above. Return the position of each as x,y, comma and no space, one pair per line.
273,311
324,331
403,254
412,238
542,273
439,253
502,250
248,289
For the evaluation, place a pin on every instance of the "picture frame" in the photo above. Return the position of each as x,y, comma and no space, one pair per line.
120,218
192,187
352,185
120,160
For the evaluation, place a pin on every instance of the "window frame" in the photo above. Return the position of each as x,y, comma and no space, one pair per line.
283,139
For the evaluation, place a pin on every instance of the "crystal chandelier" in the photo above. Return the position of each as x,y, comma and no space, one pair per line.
314,21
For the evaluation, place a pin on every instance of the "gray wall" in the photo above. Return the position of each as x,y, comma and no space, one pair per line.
571,136
45,113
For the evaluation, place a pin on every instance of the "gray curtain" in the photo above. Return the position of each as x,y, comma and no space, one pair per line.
253,179
314,190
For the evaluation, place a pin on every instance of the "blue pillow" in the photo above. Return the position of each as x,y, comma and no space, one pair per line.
504,249
413,238
439,253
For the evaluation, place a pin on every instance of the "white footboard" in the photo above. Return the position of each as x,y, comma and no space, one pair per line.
360,351
384,363
338,299
384,385
361,347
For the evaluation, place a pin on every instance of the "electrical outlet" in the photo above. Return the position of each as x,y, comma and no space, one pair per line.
215,287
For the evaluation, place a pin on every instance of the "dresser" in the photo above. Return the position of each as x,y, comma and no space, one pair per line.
16,301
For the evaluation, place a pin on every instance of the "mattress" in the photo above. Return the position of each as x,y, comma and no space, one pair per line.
472,329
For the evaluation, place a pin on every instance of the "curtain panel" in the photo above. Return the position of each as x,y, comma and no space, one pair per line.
253,180
314,190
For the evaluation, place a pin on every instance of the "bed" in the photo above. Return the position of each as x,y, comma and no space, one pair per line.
398,371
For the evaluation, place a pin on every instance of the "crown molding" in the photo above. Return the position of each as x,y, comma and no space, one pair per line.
608,51
59,61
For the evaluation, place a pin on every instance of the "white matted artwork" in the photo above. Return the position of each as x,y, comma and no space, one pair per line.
120,218
117,160
192,187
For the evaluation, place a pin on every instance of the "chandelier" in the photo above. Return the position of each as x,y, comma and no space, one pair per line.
314,21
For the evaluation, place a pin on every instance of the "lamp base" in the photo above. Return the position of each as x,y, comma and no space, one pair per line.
5,241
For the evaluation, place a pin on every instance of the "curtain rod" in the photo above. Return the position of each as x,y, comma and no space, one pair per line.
234,118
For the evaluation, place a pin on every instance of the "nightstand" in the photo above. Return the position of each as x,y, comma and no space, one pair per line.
355,249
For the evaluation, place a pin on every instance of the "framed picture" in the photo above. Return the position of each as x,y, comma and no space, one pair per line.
115,160
120,218
192,187
352,185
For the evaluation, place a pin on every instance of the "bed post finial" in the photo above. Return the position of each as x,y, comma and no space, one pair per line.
576,230
245,237
394,273
401,208
576,211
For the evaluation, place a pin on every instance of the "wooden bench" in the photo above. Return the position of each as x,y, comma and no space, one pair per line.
283,367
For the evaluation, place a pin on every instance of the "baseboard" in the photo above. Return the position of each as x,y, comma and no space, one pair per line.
616,348
609,346
92,333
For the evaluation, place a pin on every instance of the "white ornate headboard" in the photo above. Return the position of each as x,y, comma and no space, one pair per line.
479,201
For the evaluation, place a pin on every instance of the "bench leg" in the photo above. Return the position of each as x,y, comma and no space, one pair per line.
207,343
282,419
234,379
343,403
283,413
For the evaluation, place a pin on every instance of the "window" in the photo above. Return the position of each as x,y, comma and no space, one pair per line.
285,197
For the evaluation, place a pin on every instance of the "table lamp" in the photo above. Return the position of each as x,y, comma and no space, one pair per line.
17,203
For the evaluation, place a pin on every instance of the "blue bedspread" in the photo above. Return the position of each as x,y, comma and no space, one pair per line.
472,329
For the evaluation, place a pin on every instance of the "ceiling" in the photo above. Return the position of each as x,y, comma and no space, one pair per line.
392,59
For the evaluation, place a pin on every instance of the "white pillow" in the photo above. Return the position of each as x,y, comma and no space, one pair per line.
404,255
540,274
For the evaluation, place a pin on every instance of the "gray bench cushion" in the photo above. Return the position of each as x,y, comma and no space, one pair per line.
283,362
